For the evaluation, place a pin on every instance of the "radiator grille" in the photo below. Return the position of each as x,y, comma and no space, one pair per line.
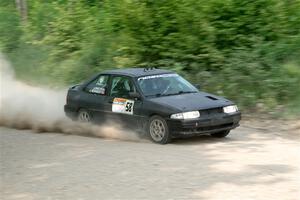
211,111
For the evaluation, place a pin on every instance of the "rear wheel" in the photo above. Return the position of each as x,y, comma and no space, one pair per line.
220,134
84,116
158,130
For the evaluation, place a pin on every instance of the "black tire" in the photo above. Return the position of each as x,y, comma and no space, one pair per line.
84,116
221,134
158,130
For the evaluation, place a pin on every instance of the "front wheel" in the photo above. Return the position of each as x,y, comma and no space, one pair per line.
158,130
220,134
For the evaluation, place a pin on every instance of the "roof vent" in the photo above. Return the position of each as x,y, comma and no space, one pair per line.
212,98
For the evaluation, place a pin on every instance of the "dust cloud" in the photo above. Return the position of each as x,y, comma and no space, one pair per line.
40,109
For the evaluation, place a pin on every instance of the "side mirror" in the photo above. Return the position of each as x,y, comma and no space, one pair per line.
197,86
134,95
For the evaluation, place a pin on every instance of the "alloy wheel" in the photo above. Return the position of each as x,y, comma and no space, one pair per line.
84,116
157,130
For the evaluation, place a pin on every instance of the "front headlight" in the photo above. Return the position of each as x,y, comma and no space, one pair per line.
230,109
186,115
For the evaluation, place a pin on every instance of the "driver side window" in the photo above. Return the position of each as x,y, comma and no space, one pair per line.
121,86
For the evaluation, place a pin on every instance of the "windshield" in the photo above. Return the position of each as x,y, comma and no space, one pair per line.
164,85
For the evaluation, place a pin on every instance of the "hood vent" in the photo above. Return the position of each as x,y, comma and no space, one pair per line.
212,98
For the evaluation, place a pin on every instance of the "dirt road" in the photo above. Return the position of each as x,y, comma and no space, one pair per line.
249,164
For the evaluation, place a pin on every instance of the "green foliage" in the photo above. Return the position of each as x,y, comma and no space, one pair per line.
245,50
10,30
27,60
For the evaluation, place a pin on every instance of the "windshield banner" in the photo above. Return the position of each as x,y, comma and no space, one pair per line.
157,76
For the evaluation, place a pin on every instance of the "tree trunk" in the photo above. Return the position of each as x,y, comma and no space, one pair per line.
22,8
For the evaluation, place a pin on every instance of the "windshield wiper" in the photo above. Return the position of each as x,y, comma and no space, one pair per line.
180,92
170,94
154,95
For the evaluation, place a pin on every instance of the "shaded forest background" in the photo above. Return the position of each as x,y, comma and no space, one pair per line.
246,50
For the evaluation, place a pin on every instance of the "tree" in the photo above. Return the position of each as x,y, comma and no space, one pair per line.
22,8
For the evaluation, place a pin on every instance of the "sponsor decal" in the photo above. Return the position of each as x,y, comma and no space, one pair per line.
121,105
97,90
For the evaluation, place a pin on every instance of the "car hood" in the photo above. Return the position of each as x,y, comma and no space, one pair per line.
192,101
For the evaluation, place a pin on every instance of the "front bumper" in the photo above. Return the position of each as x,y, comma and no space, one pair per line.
204,125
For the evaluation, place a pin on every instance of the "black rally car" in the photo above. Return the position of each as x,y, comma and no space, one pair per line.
159,103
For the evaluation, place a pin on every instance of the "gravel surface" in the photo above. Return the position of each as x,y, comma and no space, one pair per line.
249,164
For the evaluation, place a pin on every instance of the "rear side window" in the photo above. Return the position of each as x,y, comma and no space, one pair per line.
98,86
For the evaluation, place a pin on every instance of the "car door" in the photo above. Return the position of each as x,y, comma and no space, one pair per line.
94,97
123,108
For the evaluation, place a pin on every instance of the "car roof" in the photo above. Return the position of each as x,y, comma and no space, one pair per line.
137,72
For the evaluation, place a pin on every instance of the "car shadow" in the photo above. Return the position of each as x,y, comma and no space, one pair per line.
192,140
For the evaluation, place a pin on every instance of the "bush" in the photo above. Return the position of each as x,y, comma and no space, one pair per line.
248,51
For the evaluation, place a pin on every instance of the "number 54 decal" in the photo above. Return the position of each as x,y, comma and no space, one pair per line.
121,105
